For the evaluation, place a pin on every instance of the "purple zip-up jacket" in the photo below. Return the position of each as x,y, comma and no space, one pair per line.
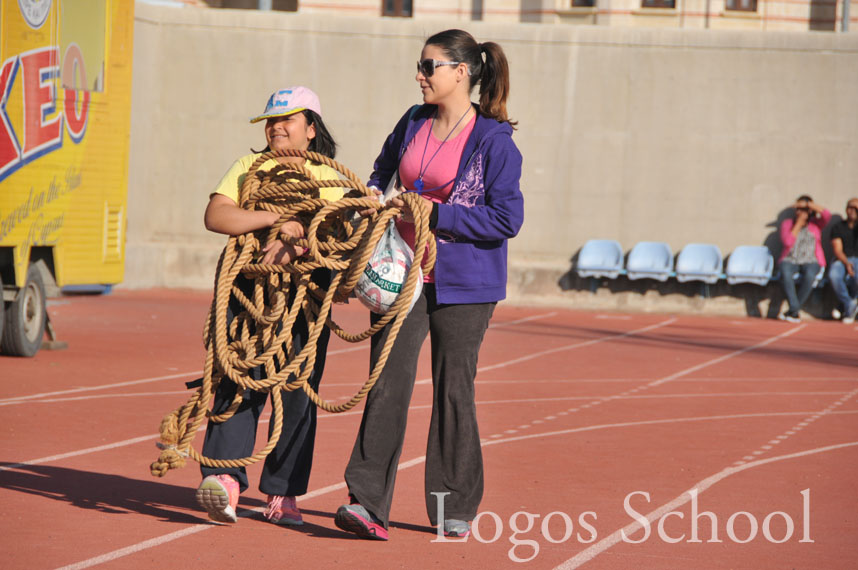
484,209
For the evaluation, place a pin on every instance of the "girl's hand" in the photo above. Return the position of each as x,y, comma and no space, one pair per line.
278,253
292,229
370,211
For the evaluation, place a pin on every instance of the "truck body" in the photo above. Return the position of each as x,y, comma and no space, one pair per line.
65,104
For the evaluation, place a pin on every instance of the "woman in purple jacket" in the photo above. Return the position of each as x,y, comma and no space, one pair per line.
461,158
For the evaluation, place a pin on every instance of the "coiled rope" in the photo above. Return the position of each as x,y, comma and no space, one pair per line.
261,334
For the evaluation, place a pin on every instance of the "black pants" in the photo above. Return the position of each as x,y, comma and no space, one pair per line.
454,461
287,468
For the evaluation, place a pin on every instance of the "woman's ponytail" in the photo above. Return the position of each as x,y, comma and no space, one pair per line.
494,83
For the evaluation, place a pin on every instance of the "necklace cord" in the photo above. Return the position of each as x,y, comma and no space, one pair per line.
418,183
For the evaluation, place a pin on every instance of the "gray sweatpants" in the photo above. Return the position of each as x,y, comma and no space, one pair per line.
454,461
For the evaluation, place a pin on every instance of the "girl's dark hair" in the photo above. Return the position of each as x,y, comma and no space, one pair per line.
804,198
323,143
492,74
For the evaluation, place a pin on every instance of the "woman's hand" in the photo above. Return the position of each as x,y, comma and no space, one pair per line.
816,207
406,215
278,253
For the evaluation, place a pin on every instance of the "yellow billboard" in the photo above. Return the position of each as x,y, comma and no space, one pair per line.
65,103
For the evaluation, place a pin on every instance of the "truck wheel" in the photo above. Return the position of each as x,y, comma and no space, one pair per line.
25,318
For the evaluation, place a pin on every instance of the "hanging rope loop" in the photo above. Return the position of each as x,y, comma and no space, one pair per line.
336,237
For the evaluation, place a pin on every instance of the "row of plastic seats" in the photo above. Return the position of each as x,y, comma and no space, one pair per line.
696,262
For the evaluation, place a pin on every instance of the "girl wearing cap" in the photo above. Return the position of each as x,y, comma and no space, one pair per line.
293,120
461,158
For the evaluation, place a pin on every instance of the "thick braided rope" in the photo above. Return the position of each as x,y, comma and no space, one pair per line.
261,334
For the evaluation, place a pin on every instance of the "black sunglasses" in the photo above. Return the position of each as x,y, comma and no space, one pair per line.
427,66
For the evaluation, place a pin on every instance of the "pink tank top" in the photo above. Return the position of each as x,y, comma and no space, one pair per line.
439,173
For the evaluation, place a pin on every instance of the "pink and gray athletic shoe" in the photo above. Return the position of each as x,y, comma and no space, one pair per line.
218,495
283,510
355,518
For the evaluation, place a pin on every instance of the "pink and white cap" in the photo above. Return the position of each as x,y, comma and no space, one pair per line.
288,101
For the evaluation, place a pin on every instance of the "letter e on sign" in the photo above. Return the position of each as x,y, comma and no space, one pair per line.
41,135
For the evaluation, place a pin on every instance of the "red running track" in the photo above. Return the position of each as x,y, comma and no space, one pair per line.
597,430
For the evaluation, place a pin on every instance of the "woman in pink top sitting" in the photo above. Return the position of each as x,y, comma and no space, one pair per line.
802,253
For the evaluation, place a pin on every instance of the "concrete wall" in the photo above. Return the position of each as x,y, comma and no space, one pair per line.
632,134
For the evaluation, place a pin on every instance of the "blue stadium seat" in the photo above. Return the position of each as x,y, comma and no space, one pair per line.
699,262
750,264
650,260
600,258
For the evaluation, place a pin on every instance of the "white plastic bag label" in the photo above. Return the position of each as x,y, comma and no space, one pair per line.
384,277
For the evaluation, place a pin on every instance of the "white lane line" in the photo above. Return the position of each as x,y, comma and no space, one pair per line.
158,541
658,422
154,542
363,346
553,399
350,349
591,342
21,399
728,356
628,393
101,387
18,399
797,428
617,536
50,458
659,396
154,437
540,354
94,397
629,380
523,320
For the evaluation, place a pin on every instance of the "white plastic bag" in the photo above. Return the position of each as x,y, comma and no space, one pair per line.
385,273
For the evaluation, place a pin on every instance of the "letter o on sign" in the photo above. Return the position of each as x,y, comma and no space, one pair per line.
75,119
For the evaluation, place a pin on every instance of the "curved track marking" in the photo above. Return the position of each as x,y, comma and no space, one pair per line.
589,553
553,399
564,348
110,556
20,399
628,393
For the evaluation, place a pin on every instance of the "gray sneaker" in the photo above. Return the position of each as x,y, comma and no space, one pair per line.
456,528
355,518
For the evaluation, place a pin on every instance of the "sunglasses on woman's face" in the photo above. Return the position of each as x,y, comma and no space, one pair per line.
427,66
